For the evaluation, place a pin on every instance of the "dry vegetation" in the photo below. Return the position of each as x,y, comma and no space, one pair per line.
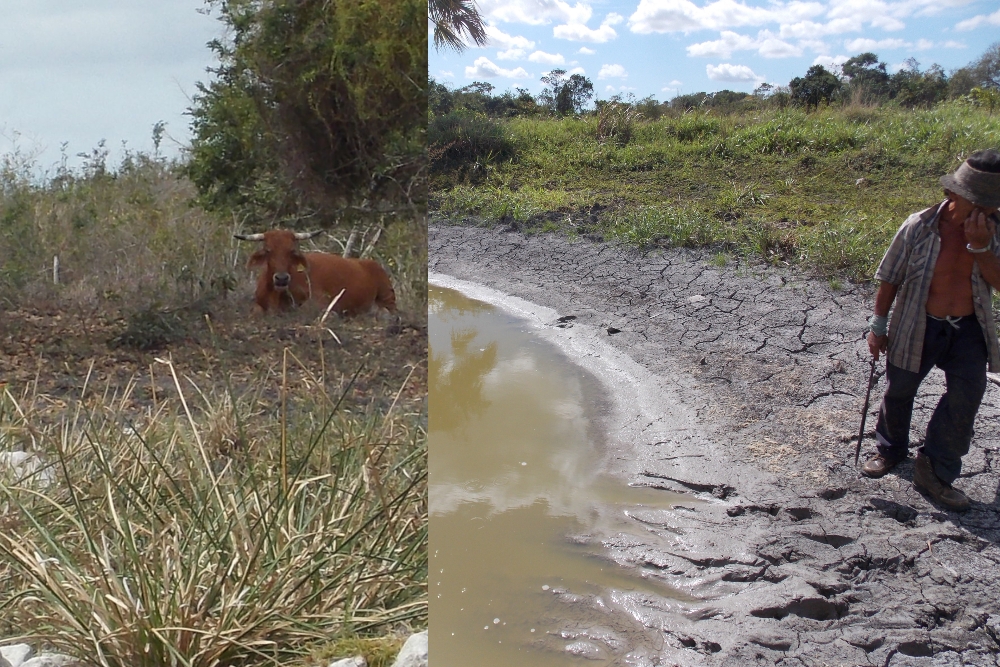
211,487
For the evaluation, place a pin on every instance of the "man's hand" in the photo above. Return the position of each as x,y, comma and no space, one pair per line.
877,344
979,229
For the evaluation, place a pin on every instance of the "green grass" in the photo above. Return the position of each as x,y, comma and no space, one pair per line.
778,184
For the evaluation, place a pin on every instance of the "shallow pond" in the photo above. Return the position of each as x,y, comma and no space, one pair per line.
515,474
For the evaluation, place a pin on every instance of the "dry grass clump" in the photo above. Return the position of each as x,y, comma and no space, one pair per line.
206,532
616,121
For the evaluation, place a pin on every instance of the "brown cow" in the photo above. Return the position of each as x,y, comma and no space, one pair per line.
291,277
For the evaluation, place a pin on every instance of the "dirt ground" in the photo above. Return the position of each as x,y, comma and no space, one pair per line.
795,558
47,354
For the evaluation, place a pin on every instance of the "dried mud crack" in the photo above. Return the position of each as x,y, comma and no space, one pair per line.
790,556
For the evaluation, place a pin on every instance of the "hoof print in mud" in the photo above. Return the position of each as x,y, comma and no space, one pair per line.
774,642
892,510
800,513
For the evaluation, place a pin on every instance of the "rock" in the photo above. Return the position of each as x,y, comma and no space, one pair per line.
356,661
52,660
3,662
414,652
18,466
16,654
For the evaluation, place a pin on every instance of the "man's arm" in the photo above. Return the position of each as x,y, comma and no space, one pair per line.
883,302
979,230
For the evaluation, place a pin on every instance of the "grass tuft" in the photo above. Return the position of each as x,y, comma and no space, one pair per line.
205,532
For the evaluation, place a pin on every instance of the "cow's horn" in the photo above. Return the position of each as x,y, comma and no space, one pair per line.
302,236
249,237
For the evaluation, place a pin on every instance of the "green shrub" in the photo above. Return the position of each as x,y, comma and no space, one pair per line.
474,140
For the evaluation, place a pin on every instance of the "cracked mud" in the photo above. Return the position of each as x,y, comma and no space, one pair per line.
795,558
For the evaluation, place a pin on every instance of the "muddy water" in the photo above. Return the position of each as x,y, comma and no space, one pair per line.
515,476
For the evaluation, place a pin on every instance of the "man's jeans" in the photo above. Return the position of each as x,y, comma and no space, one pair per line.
961,353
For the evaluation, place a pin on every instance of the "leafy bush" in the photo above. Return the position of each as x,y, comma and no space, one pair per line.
315,104
464,138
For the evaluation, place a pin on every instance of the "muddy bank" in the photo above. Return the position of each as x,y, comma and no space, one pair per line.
796,558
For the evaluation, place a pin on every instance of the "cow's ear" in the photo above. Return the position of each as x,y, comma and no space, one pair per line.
259,258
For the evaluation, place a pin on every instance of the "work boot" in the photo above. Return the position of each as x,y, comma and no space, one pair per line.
880,465
925,479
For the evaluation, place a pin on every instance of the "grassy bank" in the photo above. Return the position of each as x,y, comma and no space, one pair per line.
781,184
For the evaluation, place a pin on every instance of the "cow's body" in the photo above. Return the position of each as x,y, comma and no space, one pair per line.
290,278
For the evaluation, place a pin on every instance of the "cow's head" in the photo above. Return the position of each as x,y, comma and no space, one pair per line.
279,255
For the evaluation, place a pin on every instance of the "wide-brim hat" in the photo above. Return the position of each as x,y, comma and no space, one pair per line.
982,188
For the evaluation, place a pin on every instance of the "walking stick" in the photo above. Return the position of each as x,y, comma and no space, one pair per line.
864,411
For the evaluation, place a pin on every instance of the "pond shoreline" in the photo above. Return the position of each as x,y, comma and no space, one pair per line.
794,558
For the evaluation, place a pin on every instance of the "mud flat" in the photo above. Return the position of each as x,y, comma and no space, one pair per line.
794,558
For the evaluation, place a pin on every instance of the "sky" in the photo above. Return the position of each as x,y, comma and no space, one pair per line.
80,72
666,48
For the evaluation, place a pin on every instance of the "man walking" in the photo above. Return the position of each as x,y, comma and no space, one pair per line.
939,269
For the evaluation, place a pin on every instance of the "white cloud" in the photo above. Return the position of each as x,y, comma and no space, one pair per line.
864,44
731,73
831,63
889,23
675,82
612,72
577,70
547,58
483,68
684,16
511,54
770,46
579,32
812,30
587,52
766,44
924,44
976,21
446,74
814,45
501,40
535,12
722,48
952,44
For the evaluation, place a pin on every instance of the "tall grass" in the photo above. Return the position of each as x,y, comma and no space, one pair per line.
206,532
826,189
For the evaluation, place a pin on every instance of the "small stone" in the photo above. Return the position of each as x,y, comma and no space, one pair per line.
414,652
16,654
356,661
52,660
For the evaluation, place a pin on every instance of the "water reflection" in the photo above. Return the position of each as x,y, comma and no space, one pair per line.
514,469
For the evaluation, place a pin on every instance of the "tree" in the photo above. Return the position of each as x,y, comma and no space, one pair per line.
911,88
866,75
566,95
986,70
452,18
818,85
314,105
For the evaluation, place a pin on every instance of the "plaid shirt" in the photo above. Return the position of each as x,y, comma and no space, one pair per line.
909,263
